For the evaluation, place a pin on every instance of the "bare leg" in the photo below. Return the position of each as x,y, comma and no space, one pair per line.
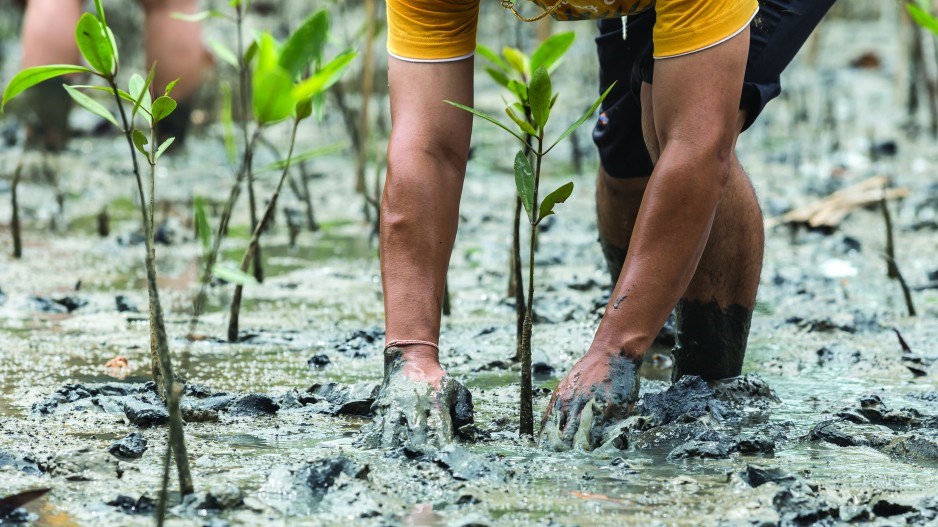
175,45
49,32
427,158
49,38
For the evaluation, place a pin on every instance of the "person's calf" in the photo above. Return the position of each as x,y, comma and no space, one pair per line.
617,204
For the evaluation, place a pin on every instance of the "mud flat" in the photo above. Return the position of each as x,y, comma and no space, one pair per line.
833,424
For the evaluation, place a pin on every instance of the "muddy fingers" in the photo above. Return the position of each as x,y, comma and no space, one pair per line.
598,392
417,413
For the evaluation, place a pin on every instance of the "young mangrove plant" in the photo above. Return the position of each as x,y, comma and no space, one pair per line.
240,58
512,71
541,99
15,215
98,46
284,89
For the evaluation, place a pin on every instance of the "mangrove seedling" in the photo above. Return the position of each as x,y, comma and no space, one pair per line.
541,100
512,71
98,46
283,89
15,215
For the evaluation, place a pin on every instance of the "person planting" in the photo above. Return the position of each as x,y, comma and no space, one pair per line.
679,222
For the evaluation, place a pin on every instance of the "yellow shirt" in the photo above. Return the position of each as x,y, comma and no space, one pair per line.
443,30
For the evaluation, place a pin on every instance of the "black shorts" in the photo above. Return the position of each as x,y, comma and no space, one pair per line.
778,31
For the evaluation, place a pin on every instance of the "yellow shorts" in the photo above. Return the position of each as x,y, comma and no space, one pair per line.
445,30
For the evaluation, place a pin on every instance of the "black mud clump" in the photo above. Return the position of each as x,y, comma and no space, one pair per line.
464,465
85,464
797,501
133,446
360,341
142,407
65,304
872,410
212,501
696,419
340,399
337,485
905,434
24,463
415,413
128,505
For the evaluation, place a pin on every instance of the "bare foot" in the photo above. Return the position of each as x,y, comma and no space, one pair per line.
600,390
419,404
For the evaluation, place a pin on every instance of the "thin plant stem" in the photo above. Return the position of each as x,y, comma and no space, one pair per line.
243,103
253,245
892,268
527,403
159,343
15,218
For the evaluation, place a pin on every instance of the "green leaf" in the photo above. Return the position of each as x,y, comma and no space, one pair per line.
492,57
305,44
922,17
106,89
170,86
516,60
492,120
162,148
525,126
271,95
32,76
202,228
163,106
589,113
91,105
227,124
198,17
250,53
524,183
223,52
140,91
140,141
558,196
539,93
325,77
550,51
94,44
520,90
498,76
232,275
305,156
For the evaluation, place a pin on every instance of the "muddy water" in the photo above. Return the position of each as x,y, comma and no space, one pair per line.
822,338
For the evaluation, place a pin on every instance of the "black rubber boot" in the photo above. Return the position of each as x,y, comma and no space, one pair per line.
710,341
615,258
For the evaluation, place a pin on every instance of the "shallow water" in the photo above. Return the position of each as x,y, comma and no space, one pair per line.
319,293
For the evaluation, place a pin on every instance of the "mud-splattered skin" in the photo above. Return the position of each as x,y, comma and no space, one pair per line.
711,341
599,391
411,412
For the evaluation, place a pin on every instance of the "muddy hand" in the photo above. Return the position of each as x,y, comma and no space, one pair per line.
600,390
418,404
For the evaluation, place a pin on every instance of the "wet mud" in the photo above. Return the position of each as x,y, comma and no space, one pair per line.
832,422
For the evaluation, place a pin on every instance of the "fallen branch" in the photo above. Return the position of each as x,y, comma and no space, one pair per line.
830,211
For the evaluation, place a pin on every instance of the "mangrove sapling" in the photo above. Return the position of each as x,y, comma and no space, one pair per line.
282,90
15,216
512,70
98,46
241,60
527,183
892,268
